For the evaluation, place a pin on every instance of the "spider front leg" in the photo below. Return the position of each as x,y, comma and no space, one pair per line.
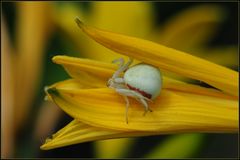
116,83
122,66
116,79
120,60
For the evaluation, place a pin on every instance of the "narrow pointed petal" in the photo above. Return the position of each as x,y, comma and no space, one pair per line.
75,66
166,58
172,112
91,72
128,15
74,132
103,14
78,132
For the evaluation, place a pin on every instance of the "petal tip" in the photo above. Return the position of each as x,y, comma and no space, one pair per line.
56,58
42,147
45,145
51,91
79,22
59,58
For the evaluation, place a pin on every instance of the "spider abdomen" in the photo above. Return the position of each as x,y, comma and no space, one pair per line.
145,79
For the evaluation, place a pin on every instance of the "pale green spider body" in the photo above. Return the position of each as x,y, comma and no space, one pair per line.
145,78
142,82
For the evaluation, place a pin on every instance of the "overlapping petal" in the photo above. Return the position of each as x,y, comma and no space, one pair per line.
90,72
78,132
75,132
181,107
173,111
166,58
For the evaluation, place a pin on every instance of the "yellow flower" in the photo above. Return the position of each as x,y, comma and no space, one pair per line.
181,108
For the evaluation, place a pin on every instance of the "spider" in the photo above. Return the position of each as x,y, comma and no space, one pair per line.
141,81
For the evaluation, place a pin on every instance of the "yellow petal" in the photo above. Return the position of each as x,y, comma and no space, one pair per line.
91,72
84,82
122,17
167,58
74,89
104,13
75,132
173,112
76,66
78,132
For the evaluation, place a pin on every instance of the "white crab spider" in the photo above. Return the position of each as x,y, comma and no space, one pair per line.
142,82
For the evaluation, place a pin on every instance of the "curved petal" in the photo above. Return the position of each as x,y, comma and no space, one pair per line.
73,133
167,58
90,72
172,112
181,108
78,132
122,17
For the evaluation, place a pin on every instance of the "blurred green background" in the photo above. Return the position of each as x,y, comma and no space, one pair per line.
33,32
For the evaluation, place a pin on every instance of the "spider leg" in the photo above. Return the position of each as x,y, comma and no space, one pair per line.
145,106
130,93
116,83
121,67
120,60
127,106
119,80
127,64
137,96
